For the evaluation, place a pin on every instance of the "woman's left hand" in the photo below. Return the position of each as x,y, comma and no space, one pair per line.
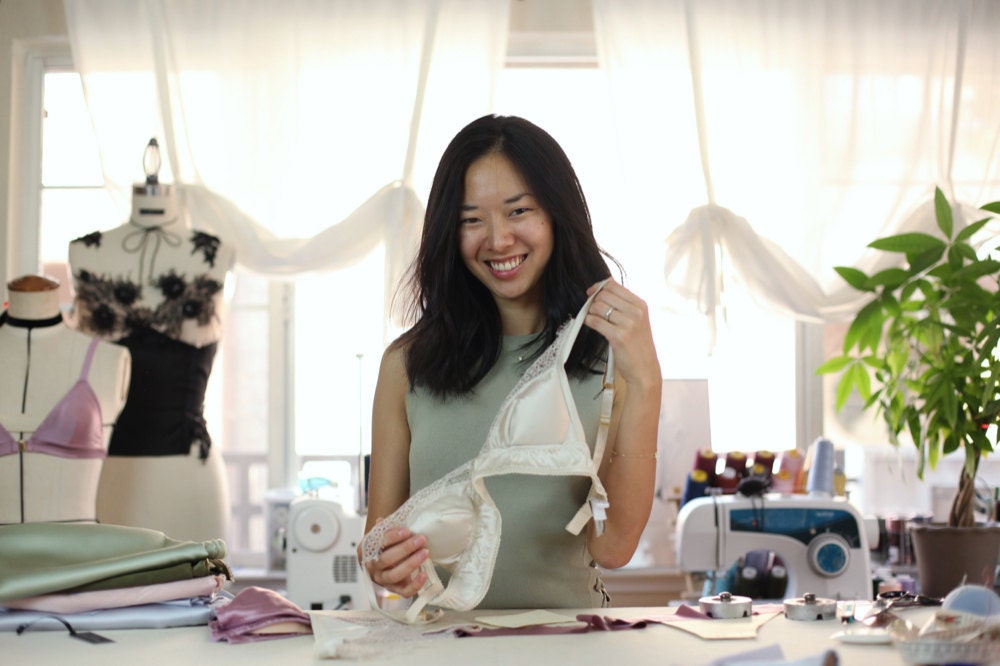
623,319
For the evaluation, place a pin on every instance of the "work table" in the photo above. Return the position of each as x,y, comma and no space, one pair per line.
656,644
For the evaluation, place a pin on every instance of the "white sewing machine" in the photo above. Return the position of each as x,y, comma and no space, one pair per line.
822,541
321,555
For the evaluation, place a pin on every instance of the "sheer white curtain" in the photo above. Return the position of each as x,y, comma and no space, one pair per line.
790,134
298,131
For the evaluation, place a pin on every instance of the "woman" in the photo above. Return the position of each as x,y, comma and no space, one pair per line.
507,255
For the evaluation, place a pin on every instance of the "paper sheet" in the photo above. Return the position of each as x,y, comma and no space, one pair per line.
744,627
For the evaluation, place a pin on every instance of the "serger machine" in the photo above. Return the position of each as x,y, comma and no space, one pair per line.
822,541
321,559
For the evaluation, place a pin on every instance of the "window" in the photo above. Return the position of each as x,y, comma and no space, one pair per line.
291,392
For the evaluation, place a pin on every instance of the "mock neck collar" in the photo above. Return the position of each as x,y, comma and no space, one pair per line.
8,320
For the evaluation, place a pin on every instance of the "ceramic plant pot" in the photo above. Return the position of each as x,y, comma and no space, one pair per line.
951,556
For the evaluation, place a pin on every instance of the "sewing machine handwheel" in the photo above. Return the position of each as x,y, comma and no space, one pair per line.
829,554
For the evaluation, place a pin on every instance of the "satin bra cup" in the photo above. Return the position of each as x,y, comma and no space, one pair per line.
447,524
536,431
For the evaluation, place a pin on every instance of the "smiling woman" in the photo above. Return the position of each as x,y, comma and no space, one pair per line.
507,256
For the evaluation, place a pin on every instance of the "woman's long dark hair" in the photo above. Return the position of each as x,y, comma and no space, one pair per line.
458,335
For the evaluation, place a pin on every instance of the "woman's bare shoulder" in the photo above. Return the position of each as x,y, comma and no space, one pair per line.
392,371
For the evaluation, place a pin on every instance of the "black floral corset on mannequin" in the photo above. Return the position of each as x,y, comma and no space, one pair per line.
159,294
111,307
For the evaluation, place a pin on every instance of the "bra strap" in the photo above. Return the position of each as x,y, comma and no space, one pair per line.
597,503
569,338
598,498
90,357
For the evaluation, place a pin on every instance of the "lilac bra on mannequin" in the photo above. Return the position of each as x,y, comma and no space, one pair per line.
72,429
59,393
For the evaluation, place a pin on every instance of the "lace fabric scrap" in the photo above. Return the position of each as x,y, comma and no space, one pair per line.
366,637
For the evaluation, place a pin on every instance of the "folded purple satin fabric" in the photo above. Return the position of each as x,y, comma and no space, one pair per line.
251,610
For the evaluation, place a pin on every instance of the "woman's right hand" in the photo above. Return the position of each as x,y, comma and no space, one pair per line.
397,568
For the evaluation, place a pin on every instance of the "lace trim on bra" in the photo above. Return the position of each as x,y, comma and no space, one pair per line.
371,546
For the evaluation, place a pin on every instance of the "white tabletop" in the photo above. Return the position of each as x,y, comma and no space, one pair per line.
656,644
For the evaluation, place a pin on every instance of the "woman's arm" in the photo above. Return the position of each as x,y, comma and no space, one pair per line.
389,479
629,467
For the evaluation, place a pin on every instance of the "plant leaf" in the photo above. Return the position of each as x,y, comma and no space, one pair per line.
835,364
889,278
859,332
844,387
971,229
993,207
942,211
921,260
912,243
854,277
862,381
979,269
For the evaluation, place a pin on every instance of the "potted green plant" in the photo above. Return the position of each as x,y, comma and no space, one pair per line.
923,352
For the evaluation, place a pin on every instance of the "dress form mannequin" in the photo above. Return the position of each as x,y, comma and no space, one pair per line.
43,359
154,285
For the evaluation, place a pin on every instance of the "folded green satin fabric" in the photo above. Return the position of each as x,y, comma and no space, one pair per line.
42,558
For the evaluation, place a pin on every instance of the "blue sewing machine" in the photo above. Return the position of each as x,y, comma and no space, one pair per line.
821,541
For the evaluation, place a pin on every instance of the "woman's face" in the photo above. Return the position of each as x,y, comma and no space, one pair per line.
505,238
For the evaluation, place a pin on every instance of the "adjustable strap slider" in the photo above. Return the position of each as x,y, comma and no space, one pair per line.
599,508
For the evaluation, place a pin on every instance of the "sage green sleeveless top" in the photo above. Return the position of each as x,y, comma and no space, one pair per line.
539,564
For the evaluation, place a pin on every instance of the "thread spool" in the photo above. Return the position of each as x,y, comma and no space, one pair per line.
728,481
776,582
783,483
820,481
839,482
705,460
695,486
737,460
765,459
791,462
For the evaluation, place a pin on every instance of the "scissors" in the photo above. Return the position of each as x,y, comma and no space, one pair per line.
880,614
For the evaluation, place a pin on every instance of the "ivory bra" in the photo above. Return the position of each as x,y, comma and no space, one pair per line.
536,431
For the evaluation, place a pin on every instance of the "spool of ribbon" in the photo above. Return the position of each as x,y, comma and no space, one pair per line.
820,480
695,486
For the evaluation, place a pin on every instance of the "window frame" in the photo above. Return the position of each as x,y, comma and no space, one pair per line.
24,232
